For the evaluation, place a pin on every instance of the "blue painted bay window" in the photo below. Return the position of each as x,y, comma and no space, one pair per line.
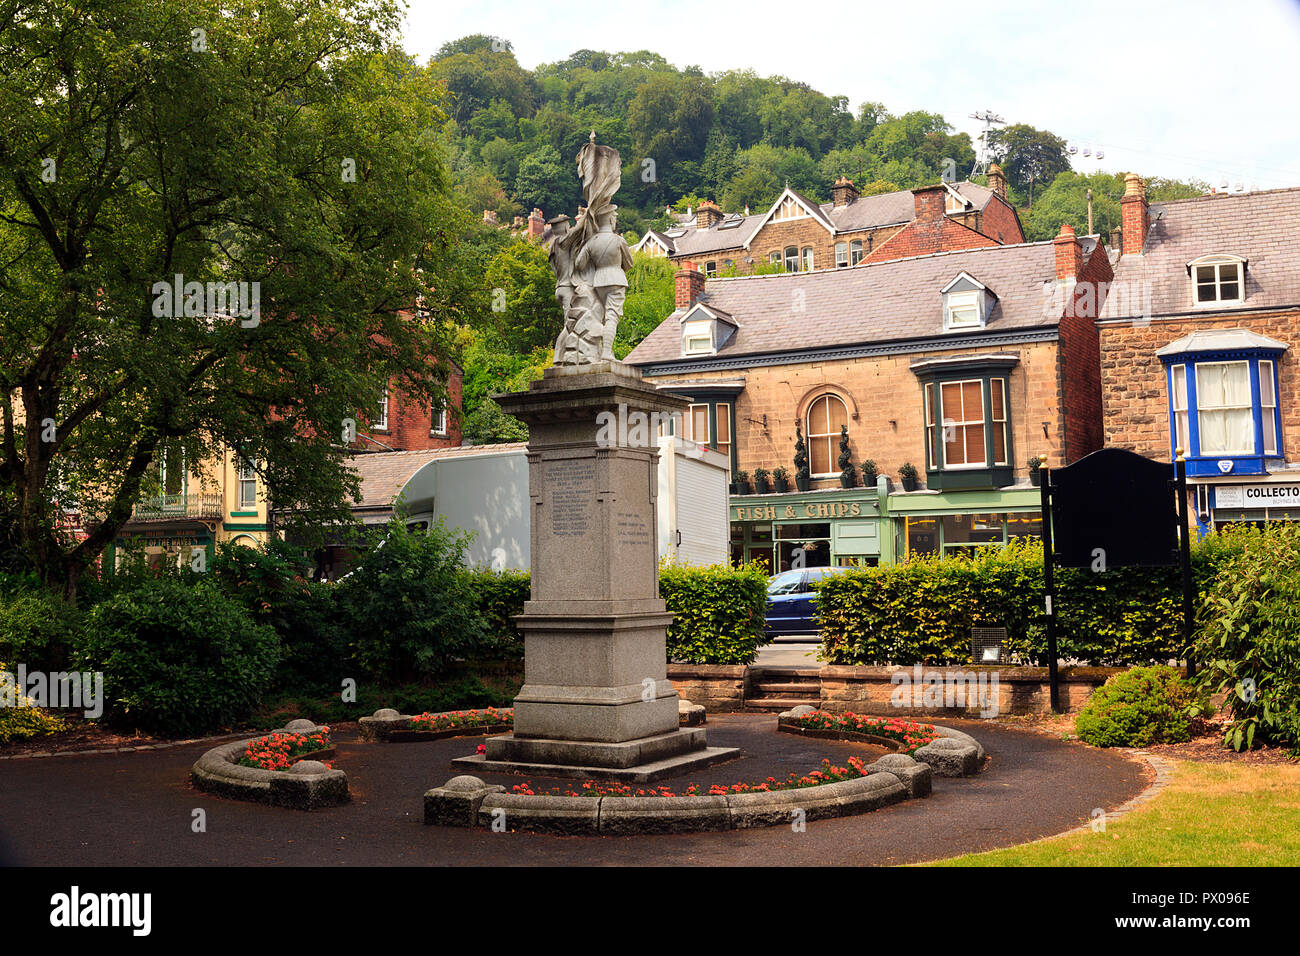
1223,406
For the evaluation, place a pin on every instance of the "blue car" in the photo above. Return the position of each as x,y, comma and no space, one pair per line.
790,600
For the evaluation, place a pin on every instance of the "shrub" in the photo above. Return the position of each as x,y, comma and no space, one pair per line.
719,612
178,658
271,586
499,596
37,627
1248,644
409,606
1144,705
19,718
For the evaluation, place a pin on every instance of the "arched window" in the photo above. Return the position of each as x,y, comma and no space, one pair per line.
825,417
791,258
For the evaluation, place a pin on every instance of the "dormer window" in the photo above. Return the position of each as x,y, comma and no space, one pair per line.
1217,280
697,338
965,304
705,330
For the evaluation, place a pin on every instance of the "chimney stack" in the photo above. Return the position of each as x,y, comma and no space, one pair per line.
929,202
489,217
1135,214
998,180
707,214
536,224
1116,237
843,192
1069,254
689,285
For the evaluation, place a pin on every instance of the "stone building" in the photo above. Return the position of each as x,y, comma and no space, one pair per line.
803,236
1195,338
963,364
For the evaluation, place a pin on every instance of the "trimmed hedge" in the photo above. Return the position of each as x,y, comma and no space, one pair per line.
720,612
922,611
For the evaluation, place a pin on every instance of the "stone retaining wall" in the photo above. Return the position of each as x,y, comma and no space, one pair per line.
872,690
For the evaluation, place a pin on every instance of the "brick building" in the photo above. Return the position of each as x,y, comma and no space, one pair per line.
1195,339
404,424
963,363
803,236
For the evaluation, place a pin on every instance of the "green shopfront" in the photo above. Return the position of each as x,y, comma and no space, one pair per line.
869,526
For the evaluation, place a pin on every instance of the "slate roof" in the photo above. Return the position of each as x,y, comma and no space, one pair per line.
1220,340
870,303
867,212
1263,228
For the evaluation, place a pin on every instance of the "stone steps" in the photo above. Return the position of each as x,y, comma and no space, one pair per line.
777,704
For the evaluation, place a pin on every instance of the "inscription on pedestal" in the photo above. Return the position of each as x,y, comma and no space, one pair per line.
632,530
572,486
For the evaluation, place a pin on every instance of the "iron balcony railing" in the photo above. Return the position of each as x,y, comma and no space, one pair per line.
173,507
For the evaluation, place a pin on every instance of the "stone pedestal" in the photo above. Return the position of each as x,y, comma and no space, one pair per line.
596,700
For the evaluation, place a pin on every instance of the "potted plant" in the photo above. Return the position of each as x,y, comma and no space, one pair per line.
1035,476
761,485
907,472
869,473
740,483
781,479
847,471
802,477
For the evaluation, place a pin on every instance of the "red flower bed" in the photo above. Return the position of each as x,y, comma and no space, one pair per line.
277,751
827,774
463,718
908,733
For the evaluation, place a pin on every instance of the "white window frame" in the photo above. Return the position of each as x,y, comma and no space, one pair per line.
856,255
710,269
1178,397
841,255
970,302
806,259
697,337
950,422
1003,423
834,436
1268,409
1234,266
690,423
246,478
382,423
1201,409
791,258
438,419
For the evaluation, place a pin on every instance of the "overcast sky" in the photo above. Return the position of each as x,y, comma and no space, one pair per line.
1184,88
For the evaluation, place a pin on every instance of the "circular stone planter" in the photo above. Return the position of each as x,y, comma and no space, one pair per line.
307,785
388,725
953,754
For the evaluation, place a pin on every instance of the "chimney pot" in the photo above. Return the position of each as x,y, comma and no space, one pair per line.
843,192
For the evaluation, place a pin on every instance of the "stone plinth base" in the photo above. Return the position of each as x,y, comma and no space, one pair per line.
635,761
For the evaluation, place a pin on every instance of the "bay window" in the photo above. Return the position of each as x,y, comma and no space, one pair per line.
967,415
1223,400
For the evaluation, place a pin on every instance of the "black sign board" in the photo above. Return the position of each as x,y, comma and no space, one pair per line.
1114,509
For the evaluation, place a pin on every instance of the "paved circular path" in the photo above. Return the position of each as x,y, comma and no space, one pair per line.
137,808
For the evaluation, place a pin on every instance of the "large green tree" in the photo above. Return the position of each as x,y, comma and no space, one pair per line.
1030,157
291,147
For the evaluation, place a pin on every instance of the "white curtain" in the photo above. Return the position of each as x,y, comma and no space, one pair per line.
1223,401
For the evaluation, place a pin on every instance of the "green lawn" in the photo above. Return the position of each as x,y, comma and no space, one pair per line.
1211,814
